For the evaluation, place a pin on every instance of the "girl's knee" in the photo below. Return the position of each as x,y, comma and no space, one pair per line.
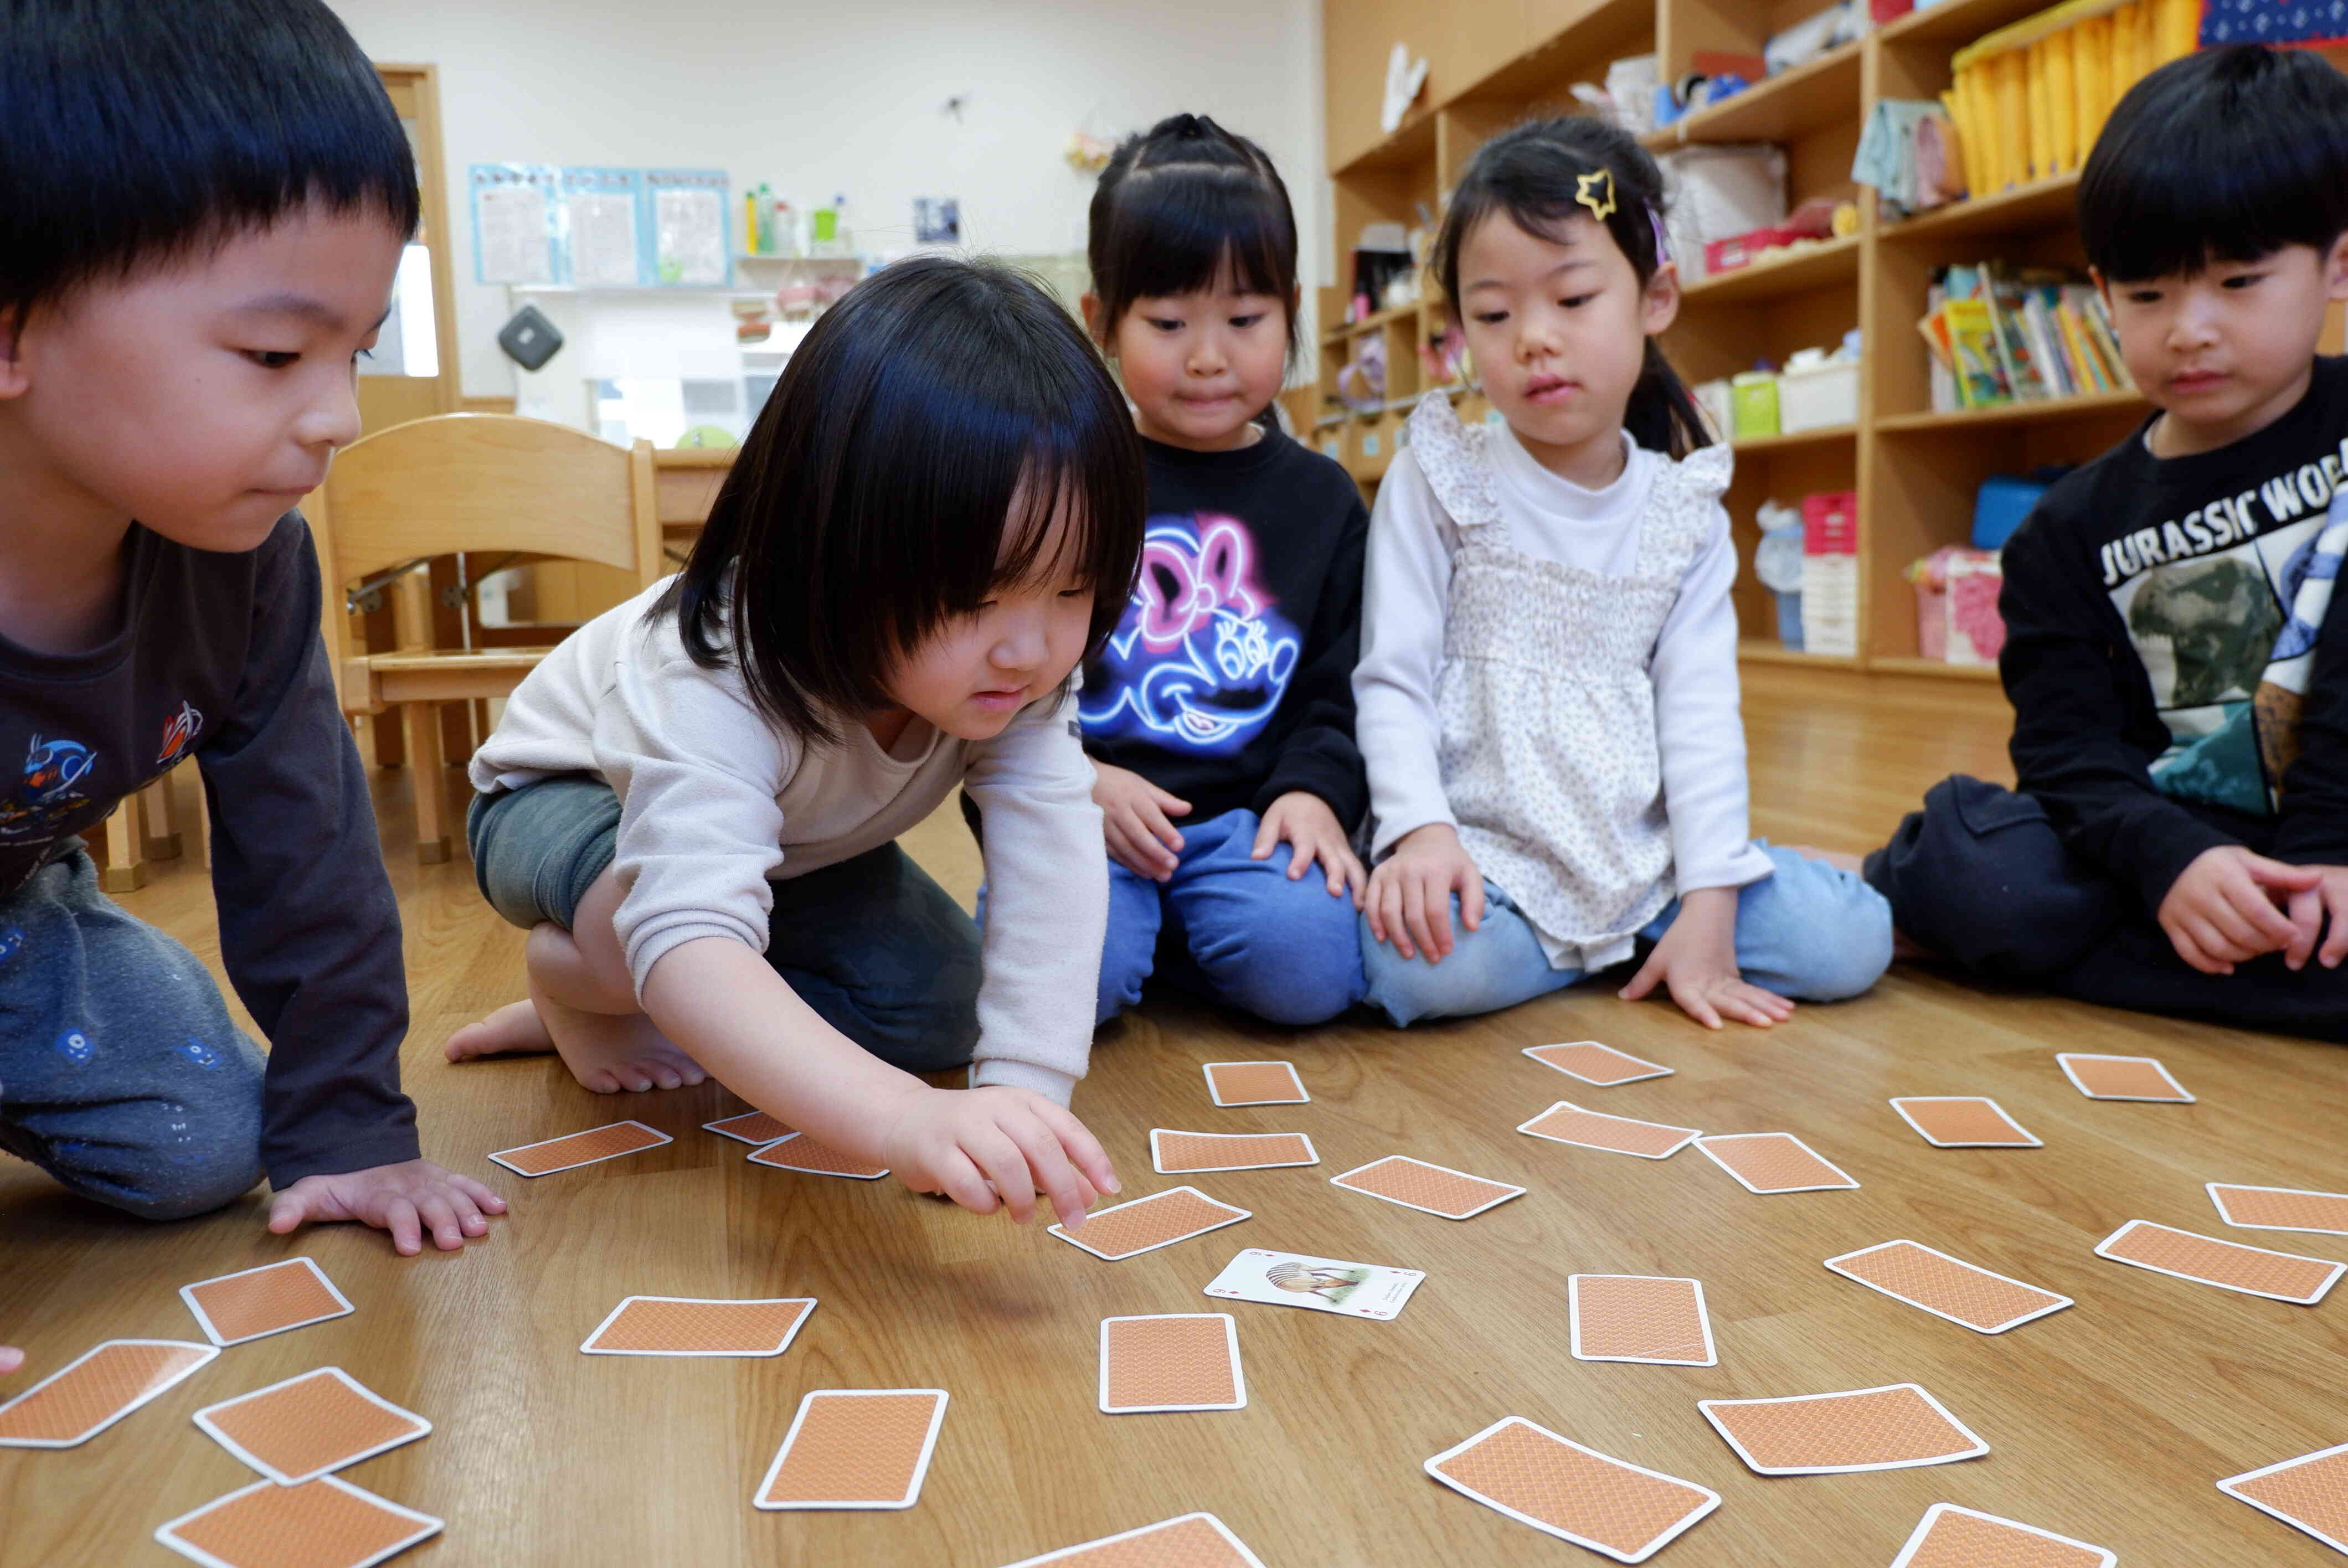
1836,941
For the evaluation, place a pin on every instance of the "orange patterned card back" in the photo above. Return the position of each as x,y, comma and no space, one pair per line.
2281,1208
2310,1492
1962,1121
1435,1189
2230,1266
1180,1153
1947,1288
1566,1123
684,1325
855,1447
1594,1063
1578,1494
1774,1162
1192,1541
96,1389
266,1300
300,1429
1179,1361
568,1152
322,1523
750,1127
2121,1078
800,1152
1255,1084
1158,1220
1952,1537
1864,1428
1639,1317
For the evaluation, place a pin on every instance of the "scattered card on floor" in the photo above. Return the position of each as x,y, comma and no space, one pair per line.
299,1429
1255,1084
1184,1153
1962,1121
1947,1288
2228,1265
689,1326
797,1152
1952,1537
1768,1162
1566,1123
96,1389
1321,1283
1594,1063
1891,1427
1192,1541
750,1127
2281,1208
2310,1492
322,1523
1640,1317
1430,1189
1627,1511
253,1303
1173,1361
1145,1224
574,1150
855,1447
2121,1078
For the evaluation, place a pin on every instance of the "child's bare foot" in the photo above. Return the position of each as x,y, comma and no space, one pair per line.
611,1052
513,1029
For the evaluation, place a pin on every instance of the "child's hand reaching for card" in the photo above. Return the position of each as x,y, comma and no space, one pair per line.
1696,962
998,1147
405,1199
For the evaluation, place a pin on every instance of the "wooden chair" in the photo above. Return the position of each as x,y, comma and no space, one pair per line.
465,484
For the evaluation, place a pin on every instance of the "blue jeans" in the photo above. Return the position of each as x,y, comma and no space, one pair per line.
1809,931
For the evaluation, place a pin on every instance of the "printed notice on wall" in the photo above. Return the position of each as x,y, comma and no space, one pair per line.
513,223
600,211
689,227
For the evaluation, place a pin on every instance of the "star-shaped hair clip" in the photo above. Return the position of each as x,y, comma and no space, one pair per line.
1595,191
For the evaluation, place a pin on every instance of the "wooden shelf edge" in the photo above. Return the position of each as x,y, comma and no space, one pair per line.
1769,651
1893,664
1725,121
2030,412
1788,272
1371,324
1819,436
1981,214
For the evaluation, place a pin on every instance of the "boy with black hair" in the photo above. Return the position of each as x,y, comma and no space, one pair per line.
201,214
2177,664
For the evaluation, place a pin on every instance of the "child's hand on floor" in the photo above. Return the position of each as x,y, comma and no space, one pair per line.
1134,818
405,1199
1409,898
996,1147
1696,962
1304,820
2221,910
2309,909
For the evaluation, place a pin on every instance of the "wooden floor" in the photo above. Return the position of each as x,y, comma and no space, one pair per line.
2108,1421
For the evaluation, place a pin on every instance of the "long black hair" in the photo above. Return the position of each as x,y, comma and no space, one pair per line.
1180,207
1535,173
912,458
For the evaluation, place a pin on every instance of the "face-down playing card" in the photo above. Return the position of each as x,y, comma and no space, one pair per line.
2310,1492
96,1389
1431,1189
1952,1537
1654,1320
1255,1084
1947,1288
2121,1078
855,1447
1962,1121
2281,1208
1566,1123
1170,1361
1594,1063
686,1325
1769,1163
2228,1265
254,1303
301,1429
1534,1476
1161,1219
797,1152
1890,1427
1185,1153
1191,1541
322,1523
576,1149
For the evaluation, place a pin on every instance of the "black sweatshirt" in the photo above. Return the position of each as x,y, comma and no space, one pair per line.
2165,701
1228,681
219,655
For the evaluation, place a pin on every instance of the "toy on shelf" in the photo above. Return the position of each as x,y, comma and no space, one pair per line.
1957,619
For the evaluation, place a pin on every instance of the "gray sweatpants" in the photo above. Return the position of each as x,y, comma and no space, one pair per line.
120,1073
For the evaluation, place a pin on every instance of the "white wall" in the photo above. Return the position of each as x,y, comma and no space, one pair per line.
823,98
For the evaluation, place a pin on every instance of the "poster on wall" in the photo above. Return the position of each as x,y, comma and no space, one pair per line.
2278,21
514,223
689,231
603,223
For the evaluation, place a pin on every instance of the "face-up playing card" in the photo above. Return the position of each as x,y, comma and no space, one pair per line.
299,1429
750,1127
1566,1123
96,1389
577,1149
1772,1162
1161,1219
1182,1153
2228,1265
1321,1283
256,1302
1890,1427
2281,1208
1192,1541
1255,1084
1431,1189
855,1447
1179,1361
797,1152
1962,1121
1946,1287
1952,1537
1560,1487
322,1523
2310,1492
2121,1078
1639,1317
684,1325
1594,1063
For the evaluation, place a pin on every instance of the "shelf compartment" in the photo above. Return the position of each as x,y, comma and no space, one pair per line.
1817,266
2048,203
1953,24
1784,108
2039,411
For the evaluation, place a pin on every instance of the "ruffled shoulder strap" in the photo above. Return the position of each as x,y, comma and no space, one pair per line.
1680,507
1453,459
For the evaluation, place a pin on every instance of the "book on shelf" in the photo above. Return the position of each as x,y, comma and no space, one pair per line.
2002,335
2029,98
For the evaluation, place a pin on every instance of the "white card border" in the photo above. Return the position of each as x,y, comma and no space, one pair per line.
204,1321
1217,1525
1158,1163
2321,1291
204,1418
921,1466
1525,1127
1657,1070
2059,1303
1932,1514
718,1127
769,1165
1847,1185
2215,1202
1215,1094
2065,1058
1230,1342
1573,1321
1514,1190
1900,1104
210,1353
1686,1521
1239,1213
500,1156
587,1346
2228,1485
1979,1447
194,1553
1417,1278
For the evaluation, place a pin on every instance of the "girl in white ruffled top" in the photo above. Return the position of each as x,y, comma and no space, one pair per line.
1547,695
